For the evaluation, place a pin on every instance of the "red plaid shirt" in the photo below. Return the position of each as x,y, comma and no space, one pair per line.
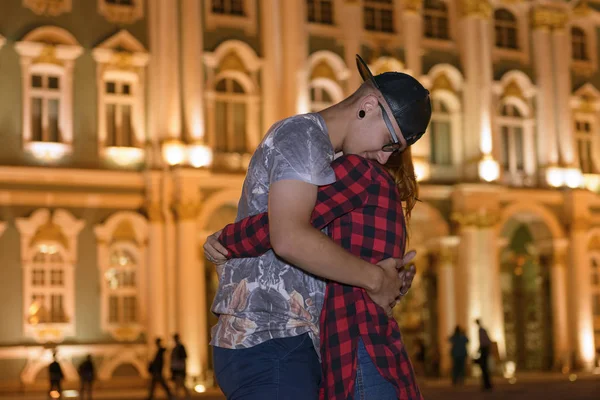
363,212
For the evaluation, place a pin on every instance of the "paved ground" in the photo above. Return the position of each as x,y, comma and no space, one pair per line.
556,388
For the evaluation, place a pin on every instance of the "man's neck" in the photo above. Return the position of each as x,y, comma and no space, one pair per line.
337,125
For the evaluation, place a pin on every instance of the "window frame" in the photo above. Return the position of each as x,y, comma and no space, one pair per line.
121,13
437,15
591,138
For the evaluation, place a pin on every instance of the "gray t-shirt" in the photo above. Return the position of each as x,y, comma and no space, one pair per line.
263,298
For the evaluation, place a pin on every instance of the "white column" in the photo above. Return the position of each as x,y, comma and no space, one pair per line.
546,124
562,78
486,79
165,105
471,60
560,323
492,313
157,302
467,293
352,28
446,299
580,308
273,61
413,33
191,290
294,89
192,69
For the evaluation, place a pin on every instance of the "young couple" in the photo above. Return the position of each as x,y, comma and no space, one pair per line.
304,220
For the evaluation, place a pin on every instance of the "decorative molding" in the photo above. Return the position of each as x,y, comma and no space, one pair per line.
50,8
479,219
188,210
415,6
47,233
121,13
476,8
548,18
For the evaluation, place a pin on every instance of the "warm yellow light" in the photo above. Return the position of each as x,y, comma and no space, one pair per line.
54,394
71,394
200,388
422,170
555,176
489,170
573,377
592,182
509,369
173,152
199,155
124,156
573,177
512,380
47,151
587,346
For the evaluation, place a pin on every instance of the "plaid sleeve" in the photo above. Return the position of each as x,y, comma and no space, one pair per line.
250,236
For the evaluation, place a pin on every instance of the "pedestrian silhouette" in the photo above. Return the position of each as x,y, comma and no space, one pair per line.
178,364
155,368
56,376
86,377
485,345
458,352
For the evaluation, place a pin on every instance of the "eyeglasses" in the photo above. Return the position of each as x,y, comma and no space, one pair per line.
395,145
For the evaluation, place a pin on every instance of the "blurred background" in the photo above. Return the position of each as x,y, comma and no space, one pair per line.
127,127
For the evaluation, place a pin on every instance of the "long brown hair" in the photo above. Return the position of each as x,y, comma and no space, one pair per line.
402,168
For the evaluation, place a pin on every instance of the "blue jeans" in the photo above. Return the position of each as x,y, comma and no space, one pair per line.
369,382
278,369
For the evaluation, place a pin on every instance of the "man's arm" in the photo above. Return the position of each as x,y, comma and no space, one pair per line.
293,238
249,237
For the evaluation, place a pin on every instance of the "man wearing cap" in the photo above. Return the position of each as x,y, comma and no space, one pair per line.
268,309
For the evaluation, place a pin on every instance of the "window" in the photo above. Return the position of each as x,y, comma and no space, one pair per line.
48,258
578,44
45,105
321,95
512,139
121,242
435,15
379,15
121,61
50,8
121,11
230,7
48,91
231,113
506,29
119,109
584,131
121,286
440,134
320,11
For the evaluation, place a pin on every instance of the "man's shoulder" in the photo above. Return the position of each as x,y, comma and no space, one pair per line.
298,127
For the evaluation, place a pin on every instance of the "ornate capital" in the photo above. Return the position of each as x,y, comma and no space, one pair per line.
187,210
479,219
548,18
413,5
51,8
477,8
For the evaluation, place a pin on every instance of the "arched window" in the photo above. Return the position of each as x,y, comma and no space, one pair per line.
228,7
435,20
512,139
585,130
231,107
440,130
48,276
506,29
578,44
121,281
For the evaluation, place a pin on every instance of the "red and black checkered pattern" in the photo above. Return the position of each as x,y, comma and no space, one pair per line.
363,212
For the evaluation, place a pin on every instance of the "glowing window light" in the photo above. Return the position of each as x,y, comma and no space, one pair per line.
200,388
199,155
489,170
173,152
47,151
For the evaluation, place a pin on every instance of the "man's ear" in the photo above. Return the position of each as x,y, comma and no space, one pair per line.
369,103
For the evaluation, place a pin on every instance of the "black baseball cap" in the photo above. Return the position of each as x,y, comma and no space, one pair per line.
406,97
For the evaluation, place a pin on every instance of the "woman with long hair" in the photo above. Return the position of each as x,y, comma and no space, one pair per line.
366,211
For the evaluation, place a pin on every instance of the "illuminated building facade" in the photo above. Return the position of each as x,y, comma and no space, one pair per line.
127,126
